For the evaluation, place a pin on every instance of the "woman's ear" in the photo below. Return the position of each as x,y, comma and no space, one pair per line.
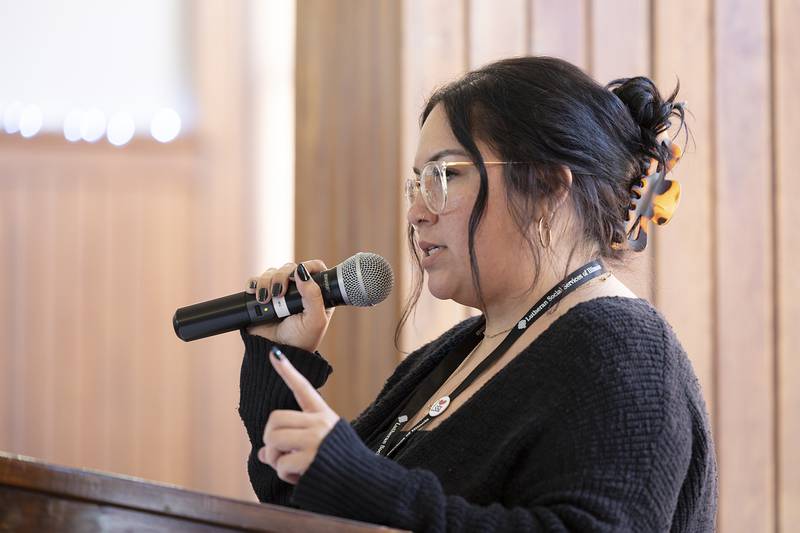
554,201
563,192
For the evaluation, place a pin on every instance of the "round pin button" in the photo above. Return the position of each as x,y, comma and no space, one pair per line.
439,406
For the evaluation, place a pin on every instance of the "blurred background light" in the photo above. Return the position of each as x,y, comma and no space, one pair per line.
11,117
93,126
166,125
72,125
59,57
30,121
120,128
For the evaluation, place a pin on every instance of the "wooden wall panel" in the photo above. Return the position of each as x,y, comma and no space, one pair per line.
496,31
97,254
684,275
620,47
433,54
559,28
348,190
67,246
43,283
786,116
123,389
95,291
6,313
24,401
744,266
100,246
164,282
220,239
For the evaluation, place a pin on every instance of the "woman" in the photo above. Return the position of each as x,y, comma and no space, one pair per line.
568,404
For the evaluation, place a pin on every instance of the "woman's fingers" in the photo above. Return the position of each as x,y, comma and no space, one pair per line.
252,284
305,394
286,440
311,293
285,419
269,455
287,432
314,265
279,281
262,283
290,466
285,423
274,282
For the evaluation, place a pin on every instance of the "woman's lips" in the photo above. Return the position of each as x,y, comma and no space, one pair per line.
430,252
426,246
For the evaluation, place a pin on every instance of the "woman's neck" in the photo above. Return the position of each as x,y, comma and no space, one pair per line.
505,310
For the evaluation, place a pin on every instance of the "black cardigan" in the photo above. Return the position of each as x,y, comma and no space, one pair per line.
598,425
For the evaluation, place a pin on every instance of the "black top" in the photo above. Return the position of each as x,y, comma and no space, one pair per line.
598,425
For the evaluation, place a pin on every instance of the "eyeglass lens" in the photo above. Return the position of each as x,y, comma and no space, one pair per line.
432,184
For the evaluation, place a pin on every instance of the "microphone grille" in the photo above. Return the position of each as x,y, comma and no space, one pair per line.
368,279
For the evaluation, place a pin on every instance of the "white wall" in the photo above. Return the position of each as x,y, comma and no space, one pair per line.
120,55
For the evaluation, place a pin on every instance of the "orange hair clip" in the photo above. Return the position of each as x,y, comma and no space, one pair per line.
654,199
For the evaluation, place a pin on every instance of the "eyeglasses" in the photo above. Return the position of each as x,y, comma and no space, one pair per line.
432,181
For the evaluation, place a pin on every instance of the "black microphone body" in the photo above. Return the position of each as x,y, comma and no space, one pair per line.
348,283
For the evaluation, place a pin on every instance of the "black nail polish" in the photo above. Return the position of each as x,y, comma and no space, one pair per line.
262,294
301,270
253,284
276,289
277,353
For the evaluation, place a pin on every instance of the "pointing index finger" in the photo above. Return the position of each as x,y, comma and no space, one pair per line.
304,392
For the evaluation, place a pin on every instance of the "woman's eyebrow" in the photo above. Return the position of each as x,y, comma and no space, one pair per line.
440,154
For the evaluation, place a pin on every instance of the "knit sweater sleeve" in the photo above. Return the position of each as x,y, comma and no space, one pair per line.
612,460
262,391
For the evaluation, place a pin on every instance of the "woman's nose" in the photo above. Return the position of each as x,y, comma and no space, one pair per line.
418,212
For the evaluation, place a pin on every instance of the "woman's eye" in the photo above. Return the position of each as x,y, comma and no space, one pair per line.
450,174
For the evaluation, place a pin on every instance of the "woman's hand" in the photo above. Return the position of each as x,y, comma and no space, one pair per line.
303,330
292,438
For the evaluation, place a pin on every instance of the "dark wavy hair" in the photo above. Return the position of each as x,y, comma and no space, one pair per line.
549,113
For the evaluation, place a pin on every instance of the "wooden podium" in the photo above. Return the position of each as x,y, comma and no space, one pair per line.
36,496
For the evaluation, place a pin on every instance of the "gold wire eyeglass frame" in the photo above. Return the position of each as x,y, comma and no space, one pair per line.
414,183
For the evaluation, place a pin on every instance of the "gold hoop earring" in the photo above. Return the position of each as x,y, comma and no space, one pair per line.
549,234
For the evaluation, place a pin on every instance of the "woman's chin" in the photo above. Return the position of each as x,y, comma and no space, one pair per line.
442,287
439,288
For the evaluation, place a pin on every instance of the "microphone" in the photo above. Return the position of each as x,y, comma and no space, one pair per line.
363,280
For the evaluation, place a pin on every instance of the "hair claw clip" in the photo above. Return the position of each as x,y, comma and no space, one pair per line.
653,199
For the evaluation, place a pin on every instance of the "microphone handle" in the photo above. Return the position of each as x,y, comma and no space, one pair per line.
240,310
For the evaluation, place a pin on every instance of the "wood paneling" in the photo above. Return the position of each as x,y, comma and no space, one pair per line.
96,247
67,364
433,54
6,313
347,184
102,245
560,28
684,275
620,47
497,33
219,240
744,266
786,116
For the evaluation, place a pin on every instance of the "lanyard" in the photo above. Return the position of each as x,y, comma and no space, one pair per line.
393,440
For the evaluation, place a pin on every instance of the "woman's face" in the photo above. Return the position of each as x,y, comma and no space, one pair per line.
499,248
